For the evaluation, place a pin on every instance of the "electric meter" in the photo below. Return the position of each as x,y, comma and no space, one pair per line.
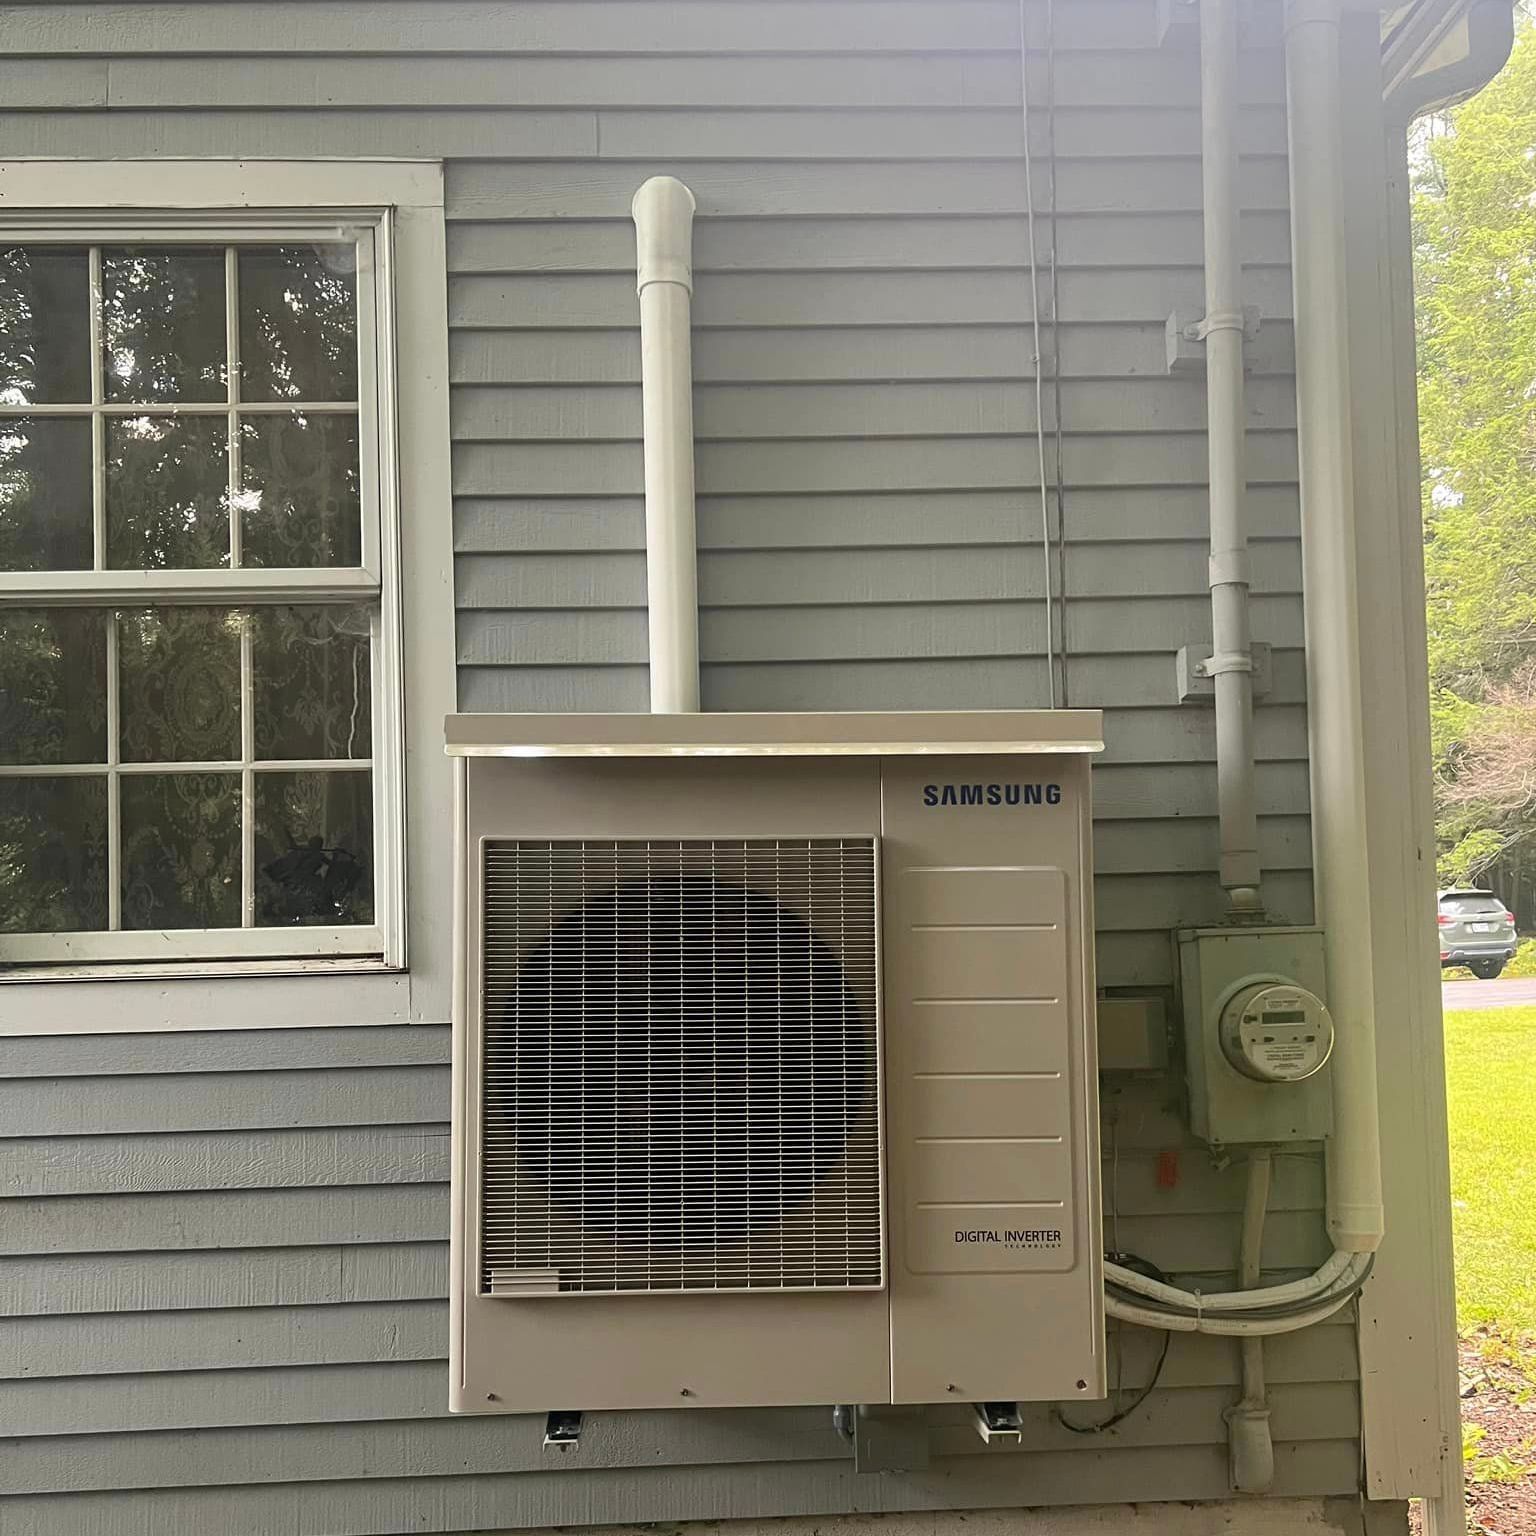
1276,1032
1256,1035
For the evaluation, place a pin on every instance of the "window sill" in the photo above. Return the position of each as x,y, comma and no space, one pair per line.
254,995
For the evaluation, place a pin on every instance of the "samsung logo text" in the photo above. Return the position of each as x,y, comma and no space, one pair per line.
992,794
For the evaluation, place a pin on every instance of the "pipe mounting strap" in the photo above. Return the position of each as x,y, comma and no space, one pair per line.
1227,661
1221,320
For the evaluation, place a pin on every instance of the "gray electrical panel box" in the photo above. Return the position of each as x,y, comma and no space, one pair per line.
1256,1034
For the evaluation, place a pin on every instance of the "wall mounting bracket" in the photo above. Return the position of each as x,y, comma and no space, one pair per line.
562,1431
1186,338
1196,666
884,1438
999,1423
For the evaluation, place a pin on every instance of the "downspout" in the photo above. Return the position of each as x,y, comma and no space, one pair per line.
1334,698
1231,663
663,211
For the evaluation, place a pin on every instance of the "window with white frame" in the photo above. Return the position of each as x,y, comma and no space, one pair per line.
199,622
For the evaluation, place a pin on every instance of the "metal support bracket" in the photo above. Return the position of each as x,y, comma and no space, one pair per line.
884,1438
1186,338
562,1431
999,1423
1196,667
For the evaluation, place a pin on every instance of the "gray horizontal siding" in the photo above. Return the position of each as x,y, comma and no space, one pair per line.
761,188
601,300
546,356
637,136
116,27
58,1285
959,408
476,1504
594,634
1086,77
360,1394
224,1255
848,244
578,525
79,1463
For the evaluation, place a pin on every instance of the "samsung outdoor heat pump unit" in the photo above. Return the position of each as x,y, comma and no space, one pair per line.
774,1061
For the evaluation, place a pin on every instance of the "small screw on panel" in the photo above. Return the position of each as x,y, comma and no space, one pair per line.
1082,1386
685,1392
491,1397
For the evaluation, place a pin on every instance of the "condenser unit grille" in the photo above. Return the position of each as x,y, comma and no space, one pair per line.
681,1066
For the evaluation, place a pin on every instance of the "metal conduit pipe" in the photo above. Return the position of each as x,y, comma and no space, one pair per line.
663,211
1250,1444
1334,698
1231,663
1335,709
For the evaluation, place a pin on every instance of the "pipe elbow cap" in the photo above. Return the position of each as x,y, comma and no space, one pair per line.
663,211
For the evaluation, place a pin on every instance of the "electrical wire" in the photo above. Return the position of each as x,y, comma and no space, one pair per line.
1034,309
1121,1414
1056,372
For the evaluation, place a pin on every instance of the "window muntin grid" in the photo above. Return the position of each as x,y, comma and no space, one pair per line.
245,586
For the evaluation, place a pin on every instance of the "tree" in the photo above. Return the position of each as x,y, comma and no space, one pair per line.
1475,239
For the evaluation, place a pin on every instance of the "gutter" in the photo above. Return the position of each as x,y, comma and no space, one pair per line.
1486,31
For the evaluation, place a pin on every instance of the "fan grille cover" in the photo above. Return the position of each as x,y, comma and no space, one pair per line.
681,1066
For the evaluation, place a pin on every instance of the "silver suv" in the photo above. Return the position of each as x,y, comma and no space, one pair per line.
1476,930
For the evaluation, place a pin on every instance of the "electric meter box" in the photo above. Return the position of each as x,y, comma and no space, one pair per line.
1257,1034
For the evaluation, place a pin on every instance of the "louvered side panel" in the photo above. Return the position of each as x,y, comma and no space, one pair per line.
680,1067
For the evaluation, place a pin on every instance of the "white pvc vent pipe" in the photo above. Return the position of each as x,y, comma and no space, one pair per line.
663,210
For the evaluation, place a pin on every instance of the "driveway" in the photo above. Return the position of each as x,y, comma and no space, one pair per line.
1513,993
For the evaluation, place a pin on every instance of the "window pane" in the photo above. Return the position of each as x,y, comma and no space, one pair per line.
312,693
45,325
301,504
180,672
163,315
53,855
181,850
167,493
314,848
53,685
45,495
298,322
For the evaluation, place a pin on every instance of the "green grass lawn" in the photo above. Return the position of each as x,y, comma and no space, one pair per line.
1490,1061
